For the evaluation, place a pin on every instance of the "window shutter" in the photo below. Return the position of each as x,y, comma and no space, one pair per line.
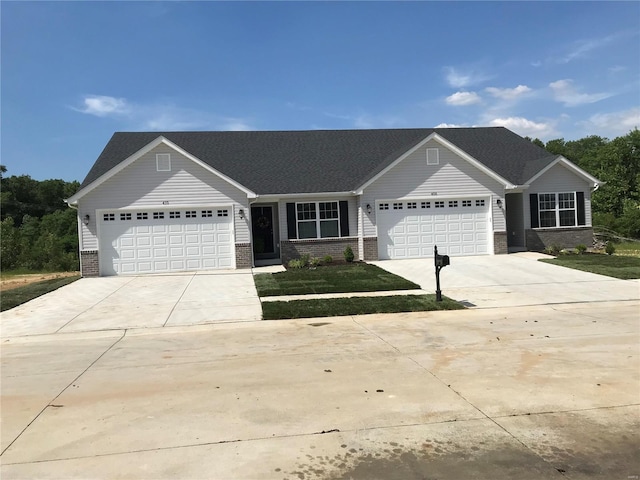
291,220
344,218
580,207
533,206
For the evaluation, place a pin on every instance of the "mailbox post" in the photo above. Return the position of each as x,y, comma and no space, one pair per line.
439,261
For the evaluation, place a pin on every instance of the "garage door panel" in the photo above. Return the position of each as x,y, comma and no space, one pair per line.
164,242
458,227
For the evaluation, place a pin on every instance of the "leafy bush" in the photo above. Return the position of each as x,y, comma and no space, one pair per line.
314,262
305,259
553,250
610,249
296,264
348,254
581,248
327,259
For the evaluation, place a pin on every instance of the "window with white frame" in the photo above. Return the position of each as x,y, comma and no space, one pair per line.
557,209
318,219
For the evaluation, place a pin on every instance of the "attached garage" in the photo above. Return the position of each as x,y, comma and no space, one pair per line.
161,241
410,229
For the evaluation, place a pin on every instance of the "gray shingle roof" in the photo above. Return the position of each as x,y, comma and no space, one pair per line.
282,162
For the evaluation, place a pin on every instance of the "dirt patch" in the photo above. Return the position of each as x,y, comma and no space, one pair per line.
22,280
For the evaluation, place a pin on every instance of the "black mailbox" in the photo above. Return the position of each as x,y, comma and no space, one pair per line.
442,260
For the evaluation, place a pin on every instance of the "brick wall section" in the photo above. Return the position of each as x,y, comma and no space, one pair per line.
562,237
500,243
291,249
243,255
89,266
370,248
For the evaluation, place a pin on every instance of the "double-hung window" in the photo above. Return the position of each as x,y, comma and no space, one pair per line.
557,209
318,219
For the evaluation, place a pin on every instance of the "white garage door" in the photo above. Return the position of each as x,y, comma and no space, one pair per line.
410,229
165,240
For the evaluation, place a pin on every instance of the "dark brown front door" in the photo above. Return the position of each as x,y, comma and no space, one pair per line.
262,227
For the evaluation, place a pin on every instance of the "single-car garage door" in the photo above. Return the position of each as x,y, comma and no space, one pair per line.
410,229
158,241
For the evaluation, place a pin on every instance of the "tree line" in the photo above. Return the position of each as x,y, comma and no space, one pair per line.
38,231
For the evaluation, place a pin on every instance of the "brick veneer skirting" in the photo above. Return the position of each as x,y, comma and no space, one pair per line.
570,237
243,255
500,243
290,249
89,266
370,248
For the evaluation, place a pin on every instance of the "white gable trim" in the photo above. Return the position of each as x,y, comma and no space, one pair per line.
445,143
570,166
143,151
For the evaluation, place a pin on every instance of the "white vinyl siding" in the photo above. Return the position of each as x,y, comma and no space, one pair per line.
558,179
141,185
454,177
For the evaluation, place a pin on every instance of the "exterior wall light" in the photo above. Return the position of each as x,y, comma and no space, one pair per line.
241,213
499,202
368,208
86,219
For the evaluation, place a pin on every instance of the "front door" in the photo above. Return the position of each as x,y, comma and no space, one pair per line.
264,231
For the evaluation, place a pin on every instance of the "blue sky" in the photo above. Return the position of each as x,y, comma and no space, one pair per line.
75,72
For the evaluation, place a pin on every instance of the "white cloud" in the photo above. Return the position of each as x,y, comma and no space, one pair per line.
449,125
582,48
157,116
613,124
463,98
564,92
508,93
523,126
458,79
103,106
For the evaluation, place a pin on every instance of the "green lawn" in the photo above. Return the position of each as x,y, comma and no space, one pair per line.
628,248
350,277
16,296
617,266
332,307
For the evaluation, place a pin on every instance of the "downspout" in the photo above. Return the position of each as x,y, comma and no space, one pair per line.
79,231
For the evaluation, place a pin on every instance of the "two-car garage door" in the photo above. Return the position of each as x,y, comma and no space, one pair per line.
159,241
410,229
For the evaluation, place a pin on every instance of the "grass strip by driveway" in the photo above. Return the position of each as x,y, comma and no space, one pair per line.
17,296
350,277
333,307
622,267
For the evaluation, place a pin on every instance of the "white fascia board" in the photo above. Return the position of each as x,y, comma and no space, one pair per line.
570,166
277,196
143,151
445,143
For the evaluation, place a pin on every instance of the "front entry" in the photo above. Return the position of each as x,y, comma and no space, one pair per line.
264,229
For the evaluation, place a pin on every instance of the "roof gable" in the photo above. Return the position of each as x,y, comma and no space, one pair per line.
87,187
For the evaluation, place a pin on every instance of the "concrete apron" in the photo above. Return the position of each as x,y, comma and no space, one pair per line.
540,392
517,279
124,302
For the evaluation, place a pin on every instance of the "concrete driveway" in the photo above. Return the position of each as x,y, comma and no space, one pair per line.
513,280
125,302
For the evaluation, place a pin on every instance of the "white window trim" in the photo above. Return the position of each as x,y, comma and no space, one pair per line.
163,162
434,158
317,219
557,209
